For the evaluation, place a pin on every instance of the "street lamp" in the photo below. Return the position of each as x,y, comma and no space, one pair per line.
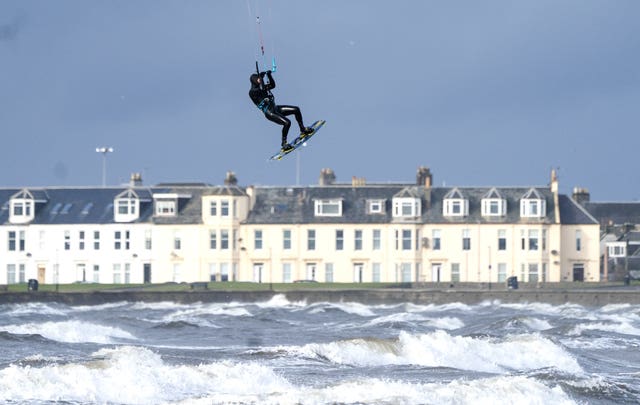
104,150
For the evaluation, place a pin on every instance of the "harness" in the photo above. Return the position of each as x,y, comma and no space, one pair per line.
264,104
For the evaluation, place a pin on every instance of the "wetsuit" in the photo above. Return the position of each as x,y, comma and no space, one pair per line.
262,97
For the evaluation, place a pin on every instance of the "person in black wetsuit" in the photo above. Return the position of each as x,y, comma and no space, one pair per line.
262,97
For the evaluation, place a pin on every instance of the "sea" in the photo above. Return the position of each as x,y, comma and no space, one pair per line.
283,352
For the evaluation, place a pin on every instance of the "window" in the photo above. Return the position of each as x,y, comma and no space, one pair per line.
617,249
375,272
533,272
213,239
544,240
213,208
532,205
339,239
224,208
117,275
406,239
11,273
502,239
466,239
493,207
533,239
127,273
147,239
286,239
21,273
406,207
286,272
12,241
376,239
224,239
81,240
257,239
67,240
455,272
578,240
455,205
117,240
96,240
177,241
502,272
375,206
435,238
328,272
21,207
311,239
165,208
357,243
126,206
405,272
328,208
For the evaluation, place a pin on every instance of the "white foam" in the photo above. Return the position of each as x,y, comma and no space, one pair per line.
498,391
439,349
353,308
33,308
87,308
537,324
70,331
137,375
281,301
624,328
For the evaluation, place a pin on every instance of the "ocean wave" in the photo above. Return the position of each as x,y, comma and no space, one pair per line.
139,376
33,308
495,391
439,349
70,332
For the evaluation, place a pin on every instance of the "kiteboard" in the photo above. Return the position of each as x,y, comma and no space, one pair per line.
299,141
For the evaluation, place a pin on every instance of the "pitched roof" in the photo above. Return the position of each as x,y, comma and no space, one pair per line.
614,213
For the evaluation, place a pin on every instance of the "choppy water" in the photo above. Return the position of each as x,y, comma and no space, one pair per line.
284,352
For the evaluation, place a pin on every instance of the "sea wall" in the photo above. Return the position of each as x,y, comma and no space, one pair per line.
587,297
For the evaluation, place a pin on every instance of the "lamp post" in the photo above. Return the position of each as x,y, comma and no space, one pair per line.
104,150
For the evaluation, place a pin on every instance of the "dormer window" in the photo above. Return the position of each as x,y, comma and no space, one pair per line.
328,208
375,206
493,205
407,203
21,208
617,249
22,205
165,208
406,207
455,205
126,206
533,205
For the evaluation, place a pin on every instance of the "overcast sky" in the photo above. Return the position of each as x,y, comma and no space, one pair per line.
483,92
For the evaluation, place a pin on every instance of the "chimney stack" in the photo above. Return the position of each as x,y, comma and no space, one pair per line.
581,195
424,177
230,179
327,177
135,180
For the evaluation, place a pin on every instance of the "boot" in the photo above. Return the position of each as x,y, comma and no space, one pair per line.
305,132
286,148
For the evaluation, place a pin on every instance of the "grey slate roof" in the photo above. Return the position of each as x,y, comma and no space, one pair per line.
291,205
614,213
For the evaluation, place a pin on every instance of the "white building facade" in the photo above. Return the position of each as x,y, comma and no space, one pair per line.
327,233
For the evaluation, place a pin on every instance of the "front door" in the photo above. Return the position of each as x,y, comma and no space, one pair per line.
435,272
578,272
358,270
257,272
147,272
311,271
41,273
